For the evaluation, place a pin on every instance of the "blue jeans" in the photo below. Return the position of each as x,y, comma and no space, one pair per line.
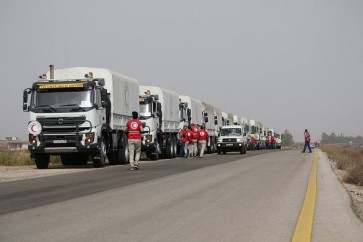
181,150
307,144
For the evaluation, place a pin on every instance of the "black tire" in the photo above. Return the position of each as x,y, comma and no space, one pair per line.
66,160
155,155
169,149
99,159
241,151
224,152
42,161
121,155
175,145
219,151
212,146
123,151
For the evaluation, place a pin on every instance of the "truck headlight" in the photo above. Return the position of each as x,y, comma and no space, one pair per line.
32,139
148,139
90,137
219,140
239,140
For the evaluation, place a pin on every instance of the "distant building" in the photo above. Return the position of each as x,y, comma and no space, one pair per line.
13,143
14,138
17,145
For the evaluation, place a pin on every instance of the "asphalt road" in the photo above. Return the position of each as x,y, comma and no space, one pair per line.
233,197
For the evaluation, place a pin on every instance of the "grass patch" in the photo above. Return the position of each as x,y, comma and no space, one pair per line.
349,159
21,158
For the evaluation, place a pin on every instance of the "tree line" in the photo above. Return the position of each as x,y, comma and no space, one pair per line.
334,139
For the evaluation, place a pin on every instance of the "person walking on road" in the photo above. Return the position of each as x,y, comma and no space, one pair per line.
202,139
134,129
194,142
307,141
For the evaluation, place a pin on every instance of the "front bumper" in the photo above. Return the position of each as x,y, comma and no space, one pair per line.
70,148
230,146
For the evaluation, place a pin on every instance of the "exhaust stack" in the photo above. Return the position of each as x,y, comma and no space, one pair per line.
51,69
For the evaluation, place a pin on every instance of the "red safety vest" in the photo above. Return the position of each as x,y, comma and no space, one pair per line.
307,137
202,134
133,126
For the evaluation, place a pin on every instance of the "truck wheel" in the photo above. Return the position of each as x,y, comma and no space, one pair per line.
169,149
112,157
175,147
241,151
123,151
212,146
66,160
99,158
42,161
155,154
219,151
224,152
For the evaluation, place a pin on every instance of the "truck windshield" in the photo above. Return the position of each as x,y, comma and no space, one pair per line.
63,98
182,114
146,110
231,132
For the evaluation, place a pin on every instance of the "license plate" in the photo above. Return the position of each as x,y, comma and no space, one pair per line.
59,141
229,144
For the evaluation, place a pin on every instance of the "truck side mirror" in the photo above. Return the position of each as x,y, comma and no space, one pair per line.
103,94
25,99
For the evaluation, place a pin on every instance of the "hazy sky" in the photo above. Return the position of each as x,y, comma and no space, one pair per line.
290,64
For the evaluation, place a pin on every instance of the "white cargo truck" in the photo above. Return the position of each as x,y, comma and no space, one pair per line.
195,113
259,137
212,121
78,113
227,118
236,120
159,110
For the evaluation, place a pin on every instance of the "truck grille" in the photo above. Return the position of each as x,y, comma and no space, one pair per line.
66,130
230,140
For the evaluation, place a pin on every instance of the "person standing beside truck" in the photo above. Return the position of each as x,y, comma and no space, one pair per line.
183,141
307,141
134,129
194,130
202,139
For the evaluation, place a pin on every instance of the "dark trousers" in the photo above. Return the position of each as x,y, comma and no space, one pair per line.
181,150
307,144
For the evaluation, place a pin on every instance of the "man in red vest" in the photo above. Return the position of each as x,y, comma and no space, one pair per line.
194,141
307,141
134,129
202,139
184,139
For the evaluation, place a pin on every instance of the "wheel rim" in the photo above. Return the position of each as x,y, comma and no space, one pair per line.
103,152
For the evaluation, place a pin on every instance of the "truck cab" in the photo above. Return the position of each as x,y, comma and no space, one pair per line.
231,138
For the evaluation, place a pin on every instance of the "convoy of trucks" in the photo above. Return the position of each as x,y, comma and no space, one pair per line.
80,113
